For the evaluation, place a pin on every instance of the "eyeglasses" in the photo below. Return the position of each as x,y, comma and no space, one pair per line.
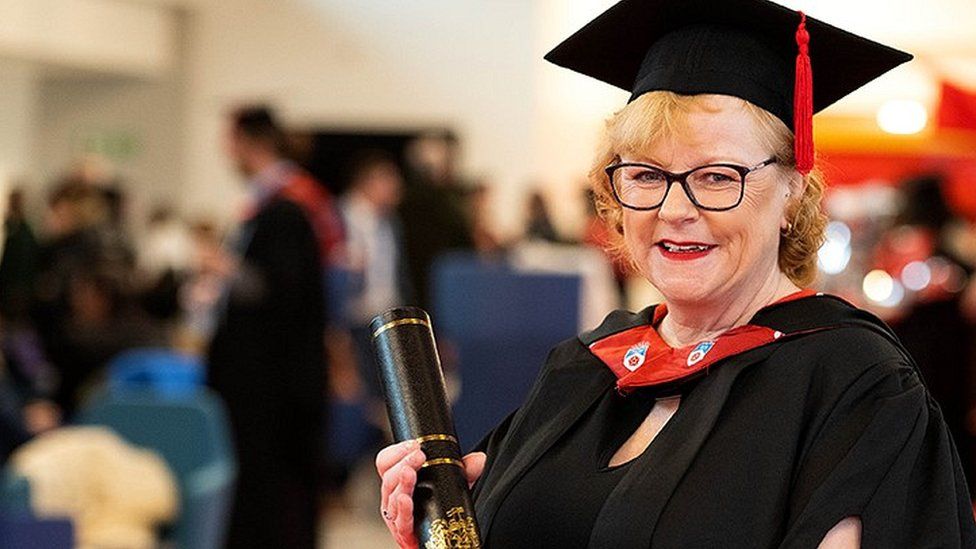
713,187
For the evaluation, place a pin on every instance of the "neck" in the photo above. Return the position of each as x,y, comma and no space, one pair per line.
688,323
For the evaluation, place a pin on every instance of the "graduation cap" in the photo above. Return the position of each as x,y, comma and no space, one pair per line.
756,50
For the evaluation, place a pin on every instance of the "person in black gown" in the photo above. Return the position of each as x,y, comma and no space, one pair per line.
745,411
266,357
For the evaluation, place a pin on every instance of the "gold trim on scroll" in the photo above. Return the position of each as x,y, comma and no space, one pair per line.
442,461
401,322
436,437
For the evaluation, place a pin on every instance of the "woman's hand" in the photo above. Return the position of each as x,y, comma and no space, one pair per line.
397,465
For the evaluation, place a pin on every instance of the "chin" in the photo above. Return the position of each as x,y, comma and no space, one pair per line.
688,289
682,295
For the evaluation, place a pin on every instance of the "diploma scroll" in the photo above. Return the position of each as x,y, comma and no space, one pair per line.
416,401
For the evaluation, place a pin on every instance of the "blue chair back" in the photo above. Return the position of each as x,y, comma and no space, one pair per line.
14,493
192,434
502,323
163,371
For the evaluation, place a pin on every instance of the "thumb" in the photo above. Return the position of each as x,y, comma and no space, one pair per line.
474,465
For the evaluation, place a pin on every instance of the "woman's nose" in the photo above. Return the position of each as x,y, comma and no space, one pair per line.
677,206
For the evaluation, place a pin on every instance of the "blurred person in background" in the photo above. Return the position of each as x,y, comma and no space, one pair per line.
433,213
934,326
266,358
19,259
201,289
478,205
164,258
539,224
374,248
375,279
84,307
26,379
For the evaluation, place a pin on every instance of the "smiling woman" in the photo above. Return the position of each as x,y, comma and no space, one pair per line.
745,411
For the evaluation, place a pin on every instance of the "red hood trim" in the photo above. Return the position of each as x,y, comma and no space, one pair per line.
639,357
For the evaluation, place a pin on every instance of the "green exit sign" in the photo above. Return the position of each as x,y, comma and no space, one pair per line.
114,145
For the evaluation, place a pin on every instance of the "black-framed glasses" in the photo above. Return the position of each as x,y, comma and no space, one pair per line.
713,187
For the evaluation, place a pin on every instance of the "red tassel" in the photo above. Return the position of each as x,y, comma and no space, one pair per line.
803,101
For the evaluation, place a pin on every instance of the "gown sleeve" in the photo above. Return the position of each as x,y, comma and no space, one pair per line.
883,454
489,445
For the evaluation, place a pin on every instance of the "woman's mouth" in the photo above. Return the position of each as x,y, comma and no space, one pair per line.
684,251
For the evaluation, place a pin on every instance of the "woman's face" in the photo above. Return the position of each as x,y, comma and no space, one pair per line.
736,251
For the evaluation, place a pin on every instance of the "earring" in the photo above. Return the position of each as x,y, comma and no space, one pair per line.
788,230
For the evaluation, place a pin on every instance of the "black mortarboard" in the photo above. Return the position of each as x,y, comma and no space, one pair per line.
743,48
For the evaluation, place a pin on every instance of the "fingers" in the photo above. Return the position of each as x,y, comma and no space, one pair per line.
474,465
402,525
397,466
389,456
400,478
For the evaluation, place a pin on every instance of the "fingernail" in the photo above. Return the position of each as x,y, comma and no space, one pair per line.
412,444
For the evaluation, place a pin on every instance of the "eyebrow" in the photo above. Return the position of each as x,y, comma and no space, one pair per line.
640,159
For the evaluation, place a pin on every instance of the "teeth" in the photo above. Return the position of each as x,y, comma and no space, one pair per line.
675,248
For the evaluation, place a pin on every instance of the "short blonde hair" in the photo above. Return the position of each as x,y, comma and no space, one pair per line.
635,127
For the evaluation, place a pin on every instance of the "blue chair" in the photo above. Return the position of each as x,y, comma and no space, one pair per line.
192,434
14,493
19,529
502,324
22,531
163,371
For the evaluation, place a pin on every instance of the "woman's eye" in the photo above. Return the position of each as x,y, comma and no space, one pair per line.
718,178
648,176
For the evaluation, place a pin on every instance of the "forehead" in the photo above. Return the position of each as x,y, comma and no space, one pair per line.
710,128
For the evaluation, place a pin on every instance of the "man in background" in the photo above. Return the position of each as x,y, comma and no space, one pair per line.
432,209
375,256
266,358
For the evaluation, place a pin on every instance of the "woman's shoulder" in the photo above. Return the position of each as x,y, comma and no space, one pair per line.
827,329
836,347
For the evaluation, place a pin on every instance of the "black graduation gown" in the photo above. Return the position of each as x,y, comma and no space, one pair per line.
266,361
769,448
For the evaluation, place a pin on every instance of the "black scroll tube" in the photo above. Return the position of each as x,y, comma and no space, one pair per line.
416,401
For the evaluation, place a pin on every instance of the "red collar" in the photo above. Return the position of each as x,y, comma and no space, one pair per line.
640,358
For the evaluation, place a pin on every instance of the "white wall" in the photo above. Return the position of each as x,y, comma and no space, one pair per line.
465,64
80,115
105,35
18,101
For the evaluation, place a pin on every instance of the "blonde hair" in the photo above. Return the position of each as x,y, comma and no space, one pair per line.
656,114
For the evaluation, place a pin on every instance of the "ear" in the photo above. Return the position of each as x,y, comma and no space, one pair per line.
796,185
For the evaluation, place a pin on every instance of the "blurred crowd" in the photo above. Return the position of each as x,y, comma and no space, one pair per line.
82,281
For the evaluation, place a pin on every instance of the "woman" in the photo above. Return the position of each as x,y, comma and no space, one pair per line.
744,412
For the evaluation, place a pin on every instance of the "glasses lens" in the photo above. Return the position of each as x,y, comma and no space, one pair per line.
716,186
640,186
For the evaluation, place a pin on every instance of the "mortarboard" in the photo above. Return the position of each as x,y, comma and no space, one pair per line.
752,49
